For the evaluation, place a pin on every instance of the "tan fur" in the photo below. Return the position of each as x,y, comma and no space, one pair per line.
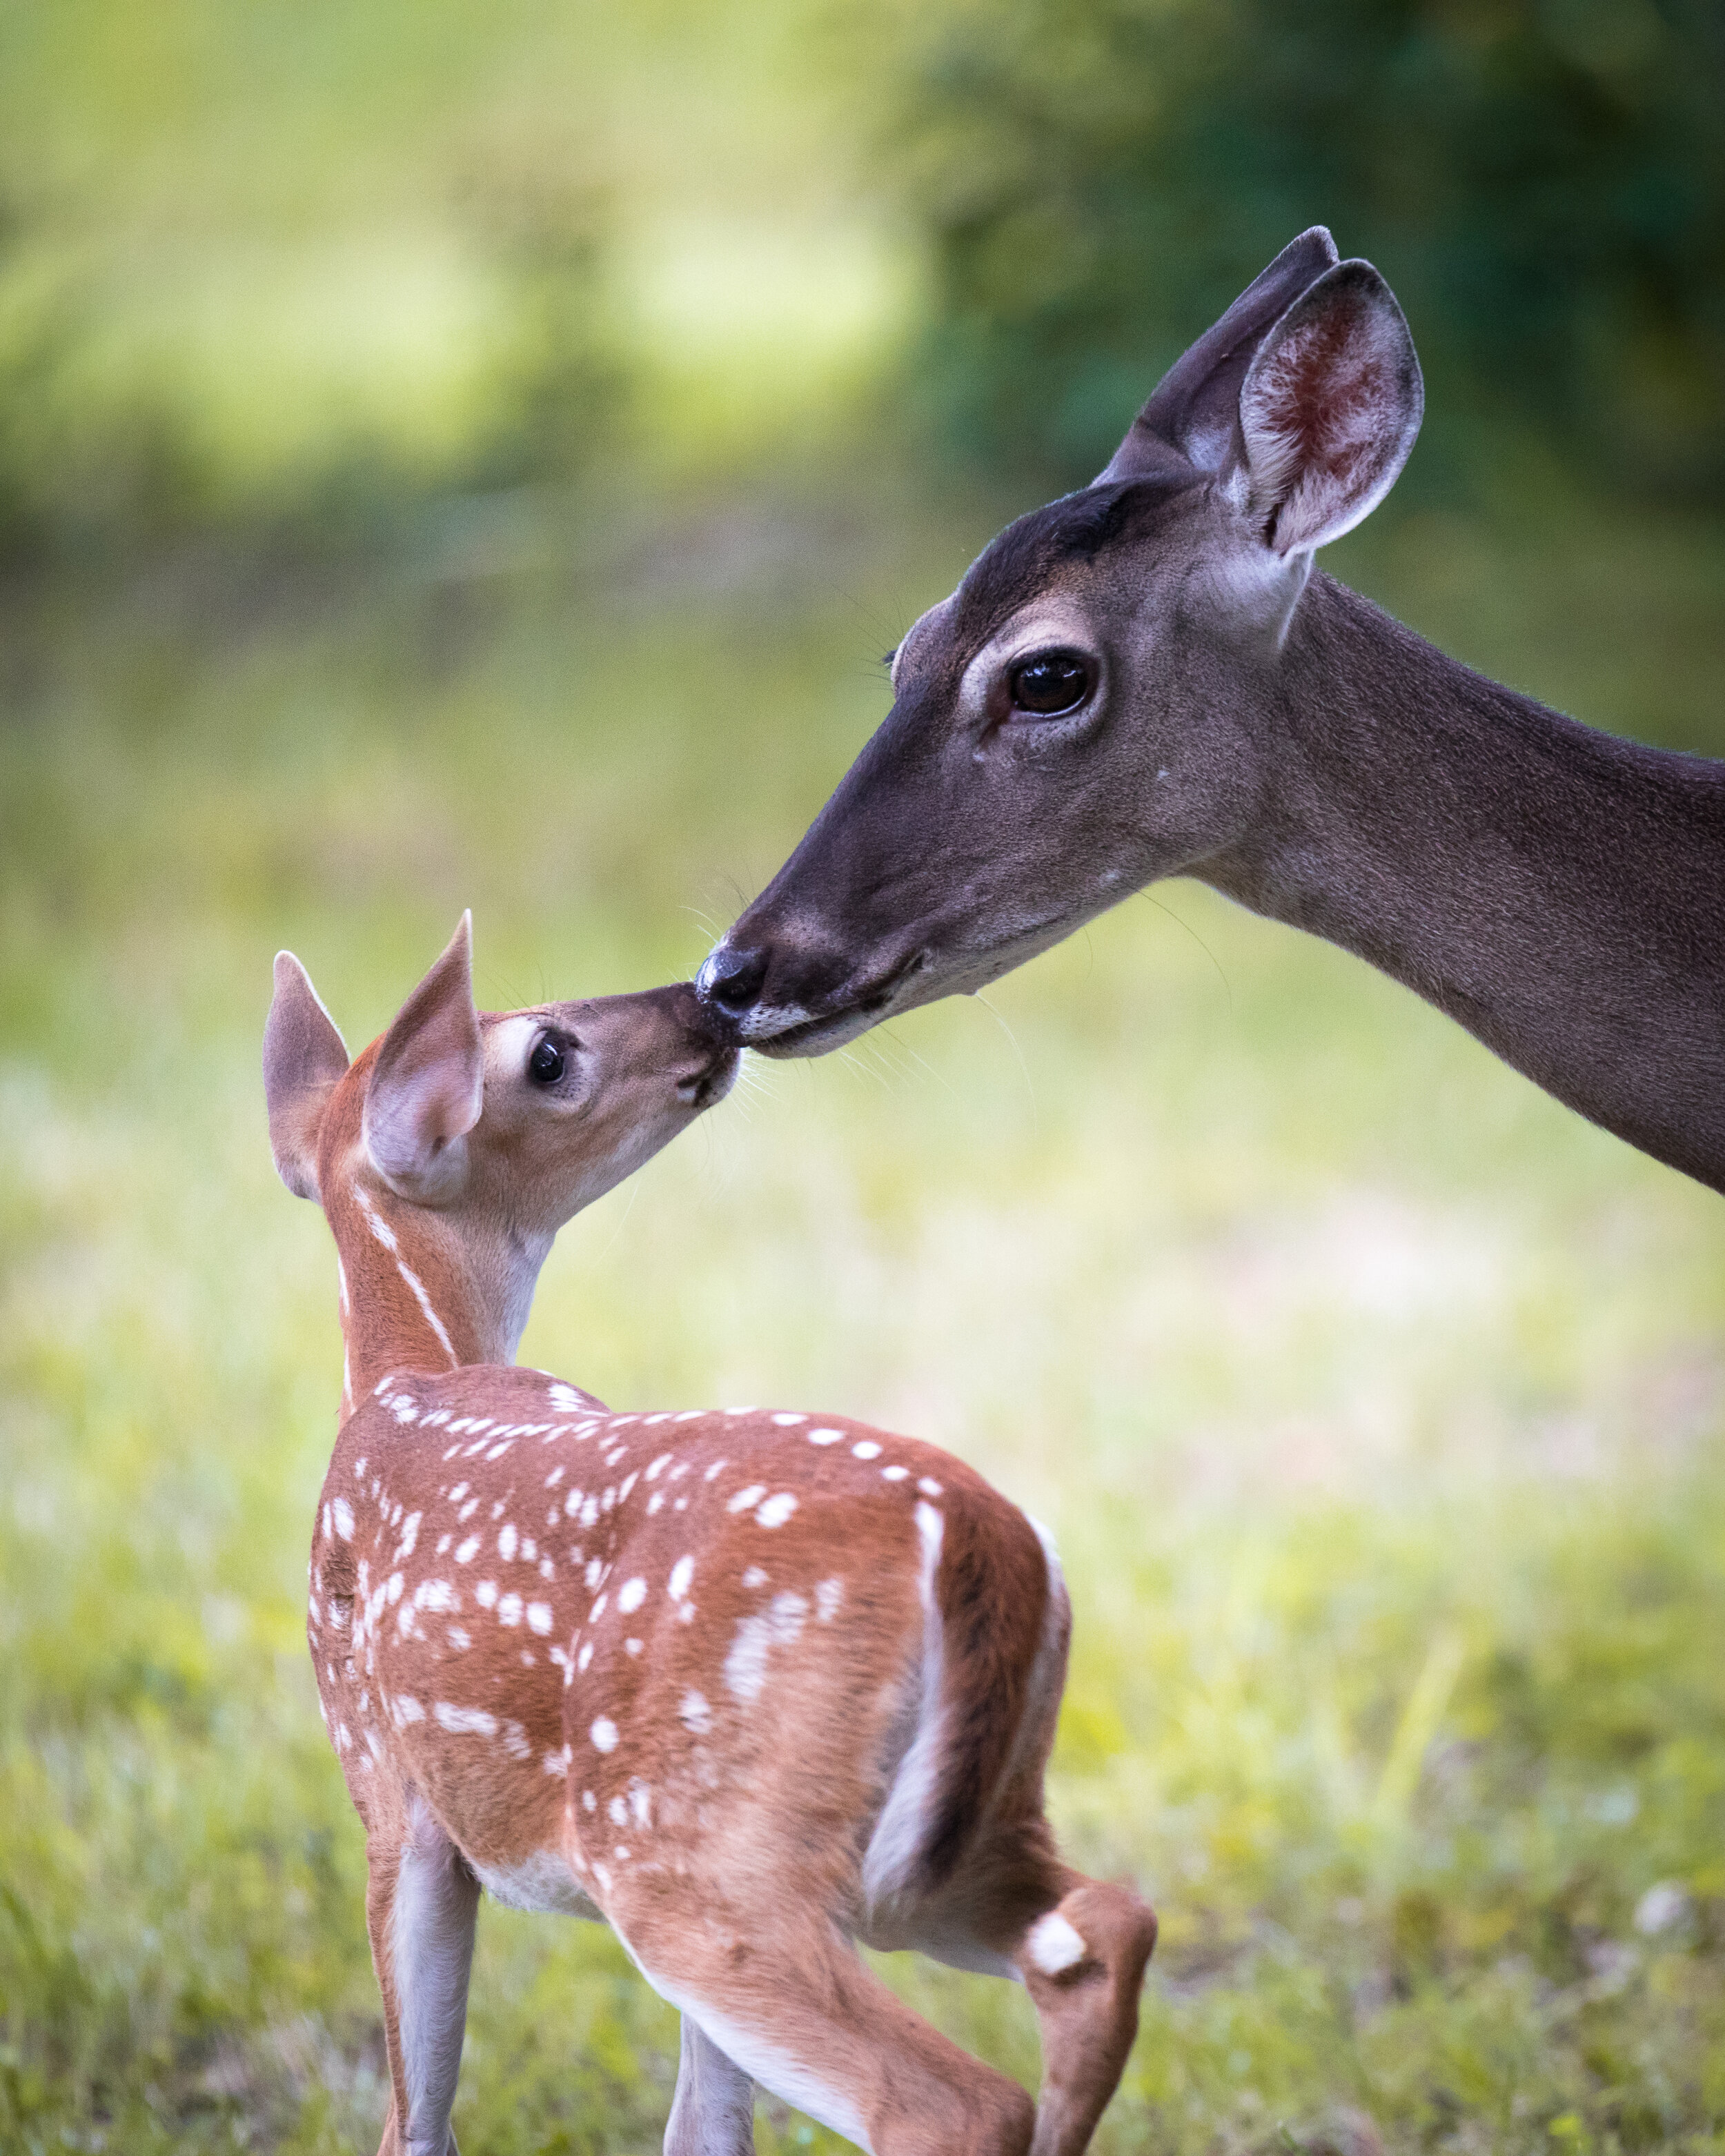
675,1669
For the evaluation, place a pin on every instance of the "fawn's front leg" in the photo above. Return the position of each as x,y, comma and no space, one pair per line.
420,1907
713,2110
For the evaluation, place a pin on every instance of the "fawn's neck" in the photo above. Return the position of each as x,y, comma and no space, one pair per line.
420,1289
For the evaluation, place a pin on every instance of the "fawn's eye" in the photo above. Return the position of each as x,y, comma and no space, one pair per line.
1048,684
545,1066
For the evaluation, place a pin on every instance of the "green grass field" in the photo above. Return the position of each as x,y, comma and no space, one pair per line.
1377,1403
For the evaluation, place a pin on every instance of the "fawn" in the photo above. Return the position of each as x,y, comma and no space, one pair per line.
750,1687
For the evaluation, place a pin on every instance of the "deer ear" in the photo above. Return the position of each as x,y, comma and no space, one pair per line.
1192,408
427,1086
304,1057
1328,410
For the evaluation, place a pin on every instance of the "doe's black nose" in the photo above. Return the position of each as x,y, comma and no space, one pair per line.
733,979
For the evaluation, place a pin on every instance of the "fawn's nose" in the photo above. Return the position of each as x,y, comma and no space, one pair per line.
731,979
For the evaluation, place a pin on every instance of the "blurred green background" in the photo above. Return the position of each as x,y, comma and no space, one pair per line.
457,456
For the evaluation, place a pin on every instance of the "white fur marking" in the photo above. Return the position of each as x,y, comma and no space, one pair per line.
1053,1945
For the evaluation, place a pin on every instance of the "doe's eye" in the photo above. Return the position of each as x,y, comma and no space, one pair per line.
545,1066
1048,684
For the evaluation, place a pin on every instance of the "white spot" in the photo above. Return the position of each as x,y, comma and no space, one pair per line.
659,1465
930,1487
459,1638
754,1576
507,1540
681,1574
640,1802
618,1811
584,1657
603,1734
404,1709
565,1400
344,1519
486,1594
631,1595
1053,1945
539,1618
789,1421
632,1647
589,1802
552,1761
865,1449
776,1510
435,1594
555,1476
466,1552
465,1721
828,1594
740,1500
894,1474
509,1610
826,1436
695,1712
777,1626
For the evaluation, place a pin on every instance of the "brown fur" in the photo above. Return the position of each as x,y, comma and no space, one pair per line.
672,1668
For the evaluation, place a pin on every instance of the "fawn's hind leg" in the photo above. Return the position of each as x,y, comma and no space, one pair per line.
1083,1962
795,2007
420,1907
713,2110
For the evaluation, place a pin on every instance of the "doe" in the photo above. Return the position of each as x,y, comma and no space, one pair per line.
751,1687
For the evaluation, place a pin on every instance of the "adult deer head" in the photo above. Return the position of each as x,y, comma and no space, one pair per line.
1086,711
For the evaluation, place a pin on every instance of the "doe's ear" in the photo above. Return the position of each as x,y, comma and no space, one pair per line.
304,1057
1328,410
427,1086
1192,408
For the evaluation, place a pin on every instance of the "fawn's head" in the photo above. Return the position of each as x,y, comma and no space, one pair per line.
449,1153
1084,713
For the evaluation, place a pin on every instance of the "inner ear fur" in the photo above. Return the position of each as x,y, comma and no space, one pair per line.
427,1084
1329,409
304,1059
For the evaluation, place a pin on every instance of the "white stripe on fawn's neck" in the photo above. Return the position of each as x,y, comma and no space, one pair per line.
386,1235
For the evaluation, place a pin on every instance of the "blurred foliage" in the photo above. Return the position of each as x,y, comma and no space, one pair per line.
1542,181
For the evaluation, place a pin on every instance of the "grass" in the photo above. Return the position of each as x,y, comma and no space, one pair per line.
1376,1401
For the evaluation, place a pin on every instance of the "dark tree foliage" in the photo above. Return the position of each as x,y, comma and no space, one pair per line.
1541,181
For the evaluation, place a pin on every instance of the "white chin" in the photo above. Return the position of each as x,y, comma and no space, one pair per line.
818,1036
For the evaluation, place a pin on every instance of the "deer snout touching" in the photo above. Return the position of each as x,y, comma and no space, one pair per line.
799,995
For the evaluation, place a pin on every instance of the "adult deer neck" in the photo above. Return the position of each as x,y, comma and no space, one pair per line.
1559,892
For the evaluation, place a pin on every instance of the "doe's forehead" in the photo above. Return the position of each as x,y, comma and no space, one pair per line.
1051,545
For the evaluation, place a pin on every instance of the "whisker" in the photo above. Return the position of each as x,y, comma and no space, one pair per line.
1029,1082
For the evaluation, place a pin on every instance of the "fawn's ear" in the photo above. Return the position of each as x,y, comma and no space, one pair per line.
304,1057
1193,408
428,1084
1328,411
